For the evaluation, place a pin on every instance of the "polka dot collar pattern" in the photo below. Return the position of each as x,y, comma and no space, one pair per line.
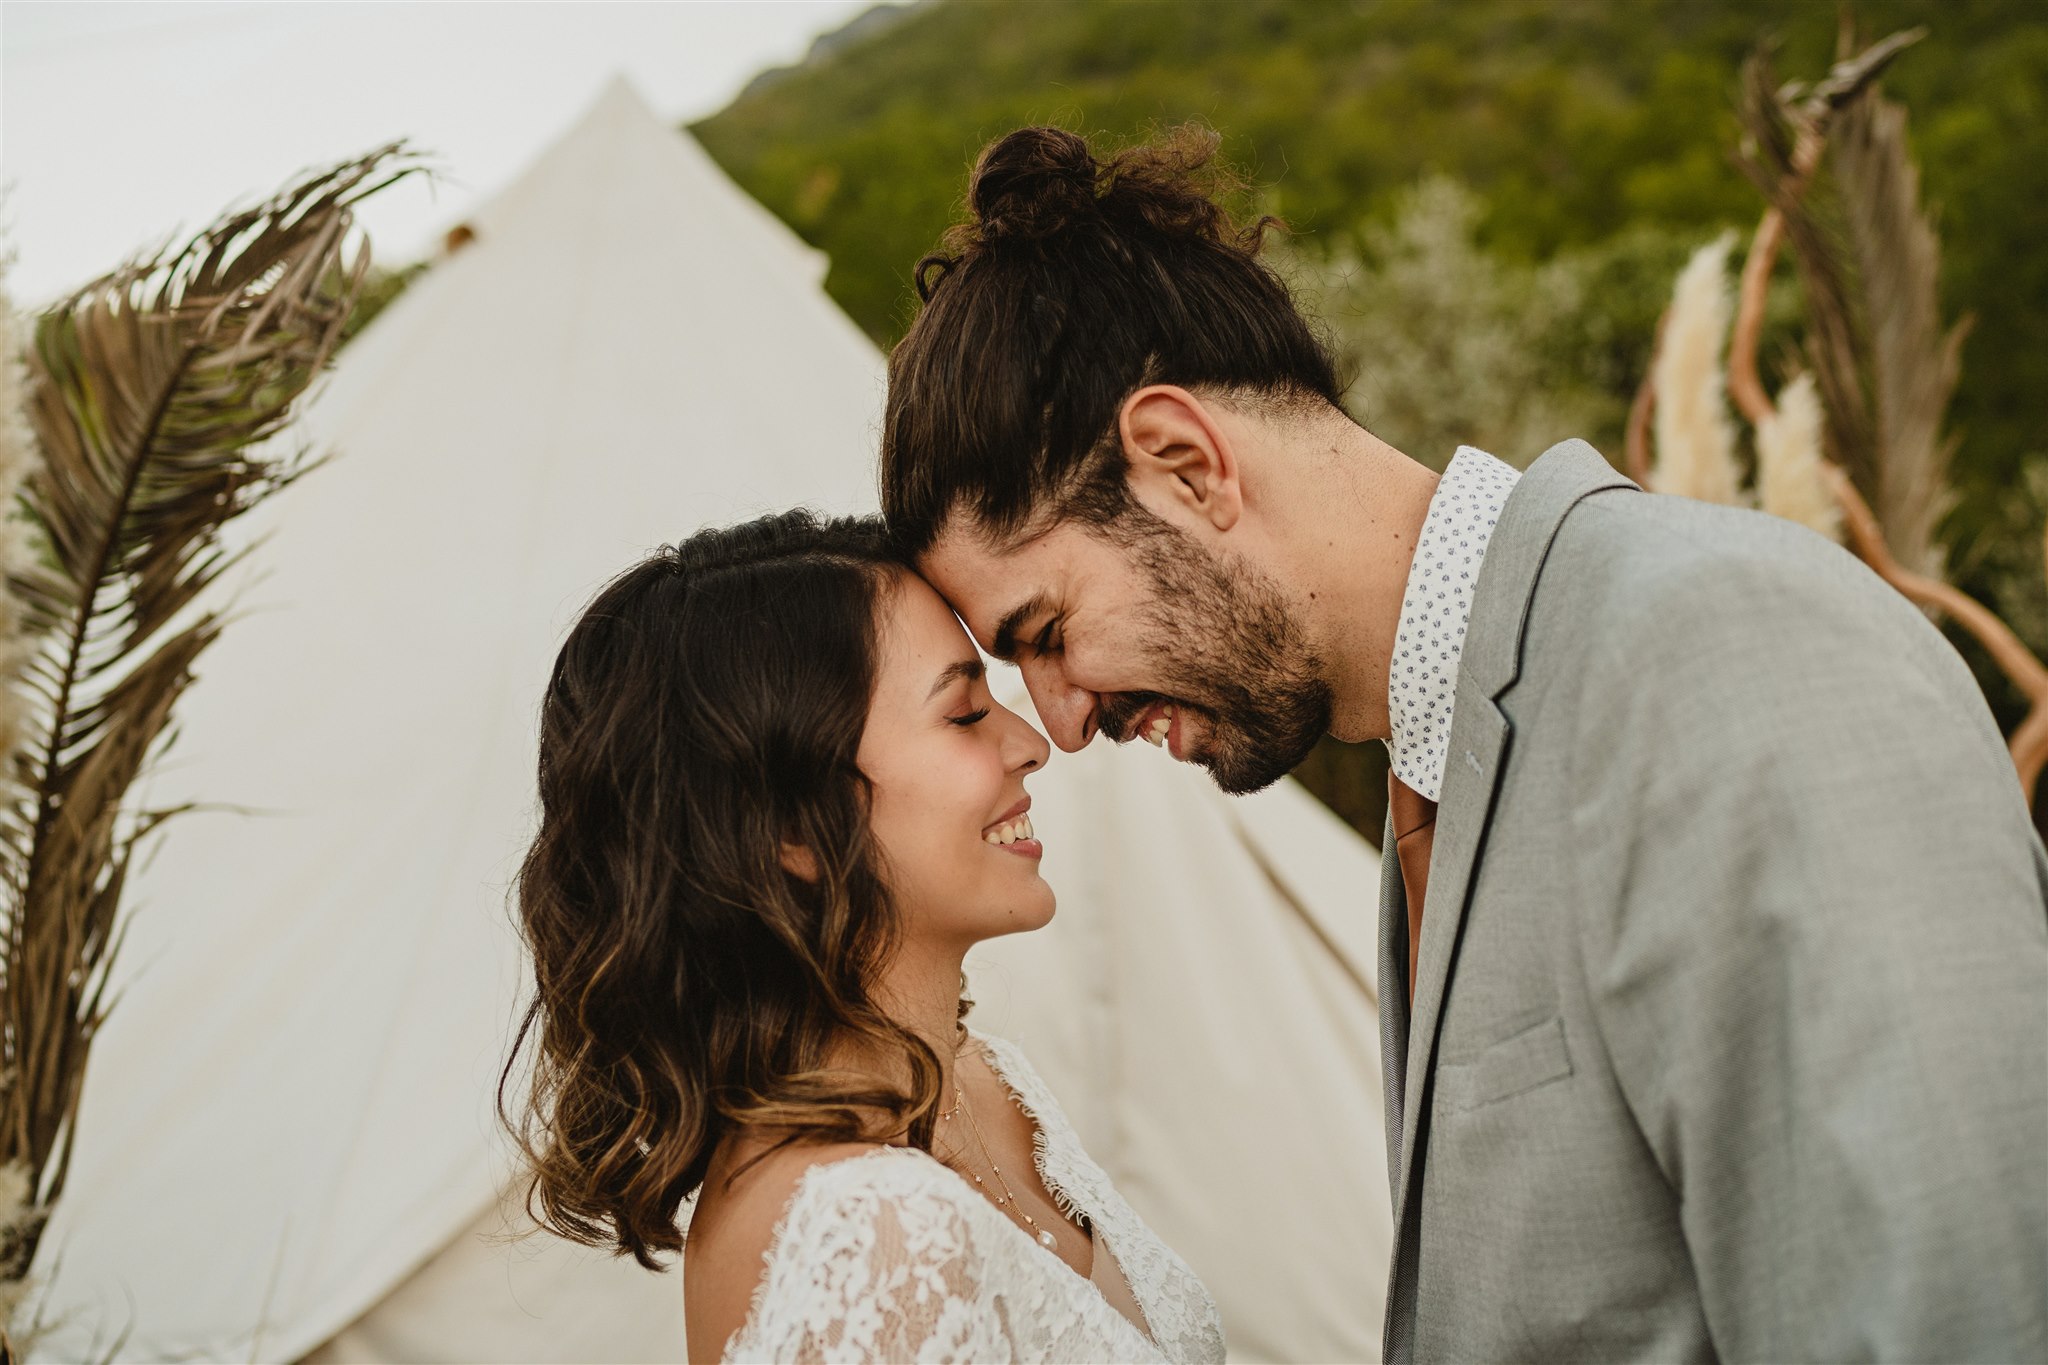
1435,610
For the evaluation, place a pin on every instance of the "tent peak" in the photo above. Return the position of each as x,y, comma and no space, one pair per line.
620,96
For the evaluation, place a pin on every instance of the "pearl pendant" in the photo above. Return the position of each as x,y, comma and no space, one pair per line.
1046,1240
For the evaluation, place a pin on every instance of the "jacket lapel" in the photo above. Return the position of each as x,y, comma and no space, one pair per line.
1393,1000
1479,742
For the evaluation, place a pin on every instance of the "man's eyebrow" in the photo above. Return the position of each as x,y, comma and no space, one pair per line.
970,669
1005,644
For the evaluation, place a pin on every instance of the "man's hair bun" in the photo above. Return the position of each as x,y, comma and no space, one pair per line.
1040,184
1032,183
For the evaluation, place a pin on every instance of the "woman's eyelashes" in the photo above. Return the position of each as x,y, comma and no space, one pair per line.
971,718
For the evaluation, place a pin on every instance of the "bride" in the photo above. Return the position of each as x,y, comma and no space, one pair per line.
778,806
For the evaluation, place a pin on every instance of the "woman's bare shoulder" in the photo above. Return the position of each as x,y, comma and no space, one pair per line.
749,1184
734,1226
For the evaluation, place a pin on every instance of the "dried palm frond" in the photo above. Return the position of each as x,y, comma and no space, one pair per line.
20,1214
1782,146
1868,262
155,392
1791,472
1787,131
1786,128
1912,360
1695,438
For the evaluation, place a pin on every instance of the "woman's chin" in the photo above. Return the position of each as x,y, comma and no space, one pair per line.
1039,920
1024,914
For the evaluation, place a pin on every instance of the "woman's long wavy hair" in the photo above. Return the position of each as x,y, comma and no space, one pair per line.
705,712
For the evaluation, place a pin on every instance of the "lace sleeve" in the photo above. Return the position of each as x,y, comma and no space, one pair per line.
875,1261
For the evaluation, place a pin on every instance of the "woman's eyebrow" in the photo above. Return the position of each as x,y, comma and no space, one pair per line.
970,669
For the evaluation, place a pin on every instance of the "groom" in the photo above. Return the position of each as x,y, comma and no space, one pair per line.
1714,930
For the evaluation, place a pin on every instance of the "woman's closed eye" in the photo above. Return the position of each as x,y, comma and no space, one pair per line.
971,718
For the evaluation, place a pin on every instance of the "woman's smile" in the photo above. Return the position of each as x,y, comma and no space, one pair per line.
1013,833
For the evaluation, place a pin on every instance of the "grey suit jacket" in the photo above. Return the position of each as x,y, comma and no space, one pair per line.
1730,1031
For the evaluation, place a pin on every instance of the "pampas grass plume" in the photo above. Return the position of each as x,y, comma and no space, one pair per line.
1791,478
1695,436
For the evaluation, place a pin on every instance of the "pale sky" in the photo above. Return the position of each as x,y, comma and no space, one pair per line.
122,123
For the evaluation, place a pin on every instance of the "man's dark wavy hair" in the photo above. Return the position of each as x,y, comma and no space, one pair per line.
1077,281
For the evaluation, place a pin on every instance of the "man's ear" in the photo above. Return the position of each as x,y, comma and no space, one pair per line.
799,862
1177,450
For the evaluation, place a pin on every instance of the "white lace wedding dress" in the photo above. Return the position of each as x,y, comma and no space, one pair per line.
891,1256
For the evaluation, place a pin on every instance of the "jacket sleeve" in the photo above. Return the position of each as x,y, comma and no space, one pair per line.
1813,931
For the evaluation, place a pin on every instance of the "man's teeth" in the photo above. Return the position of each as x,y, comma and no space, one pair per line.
1157,731
1010,833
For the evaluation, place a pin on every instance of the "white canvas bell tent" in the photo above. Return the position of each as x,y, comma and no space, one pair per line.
287,1144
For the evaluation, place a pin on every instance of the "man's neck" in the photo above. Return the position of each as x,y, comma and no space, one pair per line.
1355,509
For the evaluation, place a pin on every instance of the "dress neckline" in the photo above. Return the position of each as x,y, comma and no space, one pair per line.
1063,1198
1041,1146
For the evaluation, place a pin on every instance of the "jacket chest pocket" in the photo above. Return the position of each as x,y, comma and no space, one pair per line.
1521,1062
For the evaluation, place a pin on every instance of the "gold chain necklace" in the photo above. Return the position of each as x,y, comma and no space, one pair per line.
1008,1199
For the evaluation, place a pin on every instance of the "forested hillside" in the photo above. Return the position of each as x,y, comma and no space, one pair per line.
1597,134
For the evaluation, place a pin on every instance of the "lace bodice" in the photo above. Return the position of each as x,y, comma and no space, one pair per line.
891,1256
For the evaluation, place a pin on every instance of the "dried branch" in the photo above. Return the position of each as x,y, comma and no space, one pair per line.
1745,387
1635,447
1849,78
2029,743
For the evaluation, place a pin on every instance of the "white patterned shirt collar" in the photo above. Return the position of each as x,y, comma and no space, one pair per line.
1435,610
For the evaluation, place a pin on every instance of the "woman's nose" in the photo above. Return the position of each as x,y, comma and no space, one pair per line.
1027,748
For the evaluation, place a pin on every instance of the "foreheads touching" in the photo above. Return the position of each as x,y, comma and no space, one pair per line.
1166,621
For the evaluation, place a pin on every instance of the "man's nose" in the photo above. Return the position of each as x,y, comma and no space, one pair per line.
1066,711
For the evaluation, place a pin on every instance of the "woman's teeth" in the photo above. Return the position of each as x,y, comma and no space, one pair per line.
1157,731
1010,833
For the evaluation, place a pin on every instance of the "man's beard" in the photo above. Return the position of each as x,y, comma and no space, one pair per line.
1226,645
